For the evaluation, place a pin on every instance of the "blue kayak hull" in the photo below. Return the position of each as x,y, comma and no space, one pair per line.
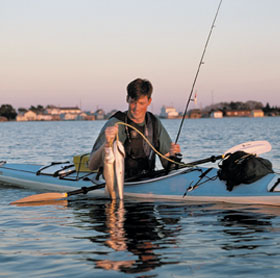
176,185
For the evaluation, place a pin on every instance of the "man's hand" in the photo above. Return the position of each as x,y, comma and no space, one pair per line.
110,134
174,148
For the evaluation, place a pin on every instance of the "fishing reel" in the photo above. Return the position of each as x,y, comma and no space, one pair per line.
176,158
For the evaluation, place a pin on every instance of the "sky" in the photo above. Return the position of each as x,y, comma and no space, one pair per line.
85,52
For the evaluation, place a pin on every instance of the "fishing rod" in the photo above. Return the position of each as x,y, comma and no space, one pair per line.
197,72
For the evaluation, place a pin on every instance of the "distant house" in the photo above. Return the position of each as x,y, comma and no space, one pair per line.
44,117
70,110
168,112
257,113
195,114
89,116
56,117
69,116
26,116
63,113
53,110
85,117
99,114
216,114
32,116
238,113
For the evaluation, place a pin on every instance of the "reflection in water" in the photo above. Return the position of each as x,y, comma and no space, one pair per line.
195,241
58,203
138,230
244,228
135,237
114,222
115,216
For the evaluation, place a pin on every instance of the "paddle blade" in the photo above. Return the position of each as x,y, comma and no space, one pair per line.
253,147
61,203
40,198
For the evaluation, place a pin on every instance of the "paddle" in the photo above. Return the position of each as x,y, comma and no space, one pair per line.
255,147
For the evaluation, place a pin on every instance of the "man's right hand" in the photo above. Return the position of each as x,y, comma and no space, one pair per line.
110,134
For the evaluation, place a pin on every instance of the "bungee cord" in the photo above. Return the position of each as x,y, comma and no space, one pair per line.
148,142
152,147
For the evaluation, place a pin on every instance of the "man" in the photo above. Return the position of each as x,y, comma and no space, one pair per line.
139,158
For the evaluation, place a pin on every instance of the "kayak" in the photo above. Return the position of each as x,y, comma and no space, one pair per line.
188,184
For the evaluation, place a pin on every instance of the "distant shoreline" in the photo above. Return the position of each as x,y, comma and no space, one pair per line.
179,118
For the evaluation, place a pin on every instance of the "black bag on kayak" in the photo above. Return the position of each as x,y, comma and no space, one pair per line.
241,167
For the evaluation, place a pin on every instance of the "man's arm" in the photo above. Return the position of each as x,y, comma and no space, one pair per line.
96,158
105,138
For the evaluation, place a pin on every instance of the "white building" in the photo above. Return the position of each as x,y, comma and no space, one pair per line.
168,112
44,117
53,110
27,116
216,114
257,113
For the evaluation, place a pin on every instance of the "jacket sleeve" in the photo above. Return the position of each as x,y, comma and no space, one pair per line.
164,142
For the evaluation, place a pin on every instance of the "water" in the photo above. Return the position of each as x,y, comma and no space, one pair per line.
85,237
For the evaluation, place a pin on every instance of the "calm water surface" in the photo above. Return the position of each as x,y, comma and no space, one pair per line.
85,237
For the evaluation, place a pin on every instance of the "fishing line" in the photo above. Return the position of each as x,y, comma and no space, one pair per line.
198,69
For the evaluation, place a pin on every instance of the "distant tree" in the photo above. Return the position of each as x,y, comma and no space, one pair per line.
234,105
50,106
32,108
271,109
249,105
38,109
254,105
267,108
22,110
7,110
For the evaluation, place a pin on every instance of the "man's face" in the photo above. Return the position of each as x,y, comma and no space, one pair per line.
137,108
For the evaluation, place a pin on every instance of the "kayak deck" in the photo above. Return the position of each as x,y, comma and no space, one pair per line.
189,184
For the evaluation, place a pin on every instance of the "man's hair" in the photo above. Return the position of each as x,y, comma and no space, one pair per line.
138,88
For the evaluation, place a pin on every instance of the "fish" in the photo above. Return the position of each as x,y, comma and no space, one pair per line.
113,171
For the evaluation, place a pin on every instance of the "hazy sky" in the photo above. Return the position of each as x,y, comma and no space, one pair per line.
72,52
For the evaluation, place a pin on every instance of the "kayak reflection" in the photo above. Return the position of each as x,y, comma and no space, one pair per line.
246,230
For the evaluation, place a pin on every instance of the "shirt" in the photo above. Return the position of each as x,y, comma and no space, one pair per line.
162,135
